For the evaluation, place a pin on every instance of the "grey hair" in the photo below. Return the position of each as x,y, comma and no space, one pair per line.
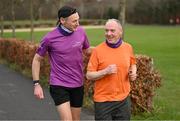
115,20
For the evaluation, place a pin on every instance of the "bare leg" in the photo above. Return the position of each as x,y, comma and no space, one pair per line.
76,113
64,111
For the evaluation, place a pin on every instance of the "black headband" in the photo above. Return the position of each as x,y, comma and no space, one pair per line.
66,11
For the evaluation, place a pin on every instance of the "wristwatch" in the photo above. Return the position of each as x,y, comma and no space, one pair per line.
36,82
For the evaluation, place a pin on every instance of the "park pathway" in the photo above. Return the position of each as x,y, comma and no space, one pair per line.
49,28
17,101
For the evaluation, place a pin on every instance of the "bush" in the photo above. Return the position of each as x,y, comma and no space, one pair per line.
21,53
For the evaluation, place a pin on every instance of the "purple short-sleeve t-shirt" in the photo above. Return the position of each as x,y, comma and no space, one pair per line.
65,56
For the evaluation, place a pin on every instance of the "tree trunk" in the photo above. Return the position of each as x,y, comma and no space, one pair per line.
101,10
13,18
40,13
122,10
61,3
82,9
32,20
2,26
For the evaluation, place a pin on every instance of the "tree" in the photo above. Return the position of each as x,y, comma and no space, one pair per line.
122,11
13,17
14,3
144,11
32,20
58,3
37,8
82,8
2,25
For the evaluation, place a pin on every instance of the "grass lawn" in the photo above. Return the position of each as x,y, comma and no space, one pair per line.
163,44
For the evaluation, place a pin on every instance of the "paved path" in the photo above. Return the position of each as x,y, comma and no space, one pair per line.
17,101
48,28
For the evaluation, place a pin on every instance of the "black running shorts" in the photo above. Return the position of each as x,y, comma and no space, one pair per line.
62,94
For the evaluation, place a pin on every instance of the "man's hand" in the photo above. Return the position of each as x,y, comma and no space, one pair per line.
111,69
132,73
95,75
38,92
132,76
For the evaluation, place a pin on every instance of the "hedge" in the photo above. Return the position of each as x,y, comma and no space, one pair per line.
21,53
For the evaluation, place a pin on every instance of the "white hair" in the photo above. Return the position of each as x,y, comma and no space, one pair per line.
115,20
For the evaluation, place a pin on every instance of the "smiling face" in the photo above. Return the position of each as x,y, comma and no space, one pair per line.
113,31
71,22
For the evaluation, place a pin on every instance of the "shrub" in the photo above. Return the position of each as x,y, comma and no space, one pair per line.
21,53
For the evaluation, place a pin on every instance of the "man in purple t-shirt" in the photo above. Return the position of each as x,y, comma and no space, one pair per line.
65,46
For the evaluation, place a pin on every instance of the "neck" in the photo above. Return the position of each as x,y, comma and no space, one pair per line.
115,44
66,29
63,30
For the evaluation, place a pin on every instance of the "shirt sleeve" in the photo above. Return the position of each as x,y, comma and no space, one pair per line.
43,47
86,42
93,62
132,57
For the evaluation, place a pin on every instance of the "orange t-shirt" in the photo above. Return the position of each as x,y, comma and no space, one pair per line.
113,87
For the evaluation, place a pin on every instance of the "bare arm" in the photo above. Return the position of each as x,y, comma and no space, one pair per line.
95,75
38,92
36,66
88,51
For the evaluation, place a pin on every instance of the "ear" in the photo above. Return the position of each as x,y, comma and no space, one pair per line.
62,20
121,32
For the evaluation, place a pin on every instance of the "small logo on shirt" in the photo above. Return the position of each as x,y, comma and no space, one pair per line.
76,44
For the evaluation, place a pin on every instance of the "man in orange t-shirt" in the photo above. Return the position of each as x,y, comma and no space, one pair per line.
111,65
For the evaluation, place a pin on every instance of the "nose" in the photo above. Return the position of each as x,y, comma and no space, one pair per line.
77,23
108,33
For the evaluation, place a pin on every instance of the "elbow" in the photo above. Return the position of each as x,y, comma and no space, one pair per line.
88,77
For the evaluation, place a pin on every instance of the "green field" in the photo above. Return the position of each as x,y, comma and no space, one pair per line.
163,44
